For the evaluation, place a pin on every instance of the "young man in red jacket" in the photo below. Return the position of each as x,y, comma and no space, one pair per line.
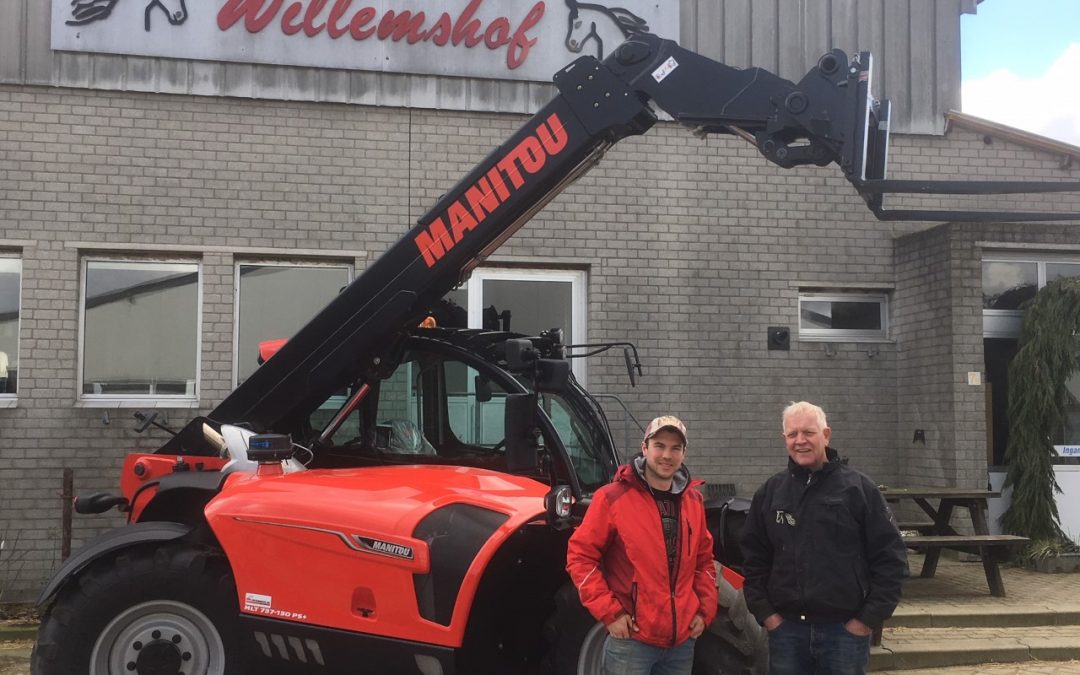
642,559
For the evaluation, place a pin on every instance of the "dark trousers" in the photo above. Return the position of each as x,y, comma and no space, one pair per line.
798,648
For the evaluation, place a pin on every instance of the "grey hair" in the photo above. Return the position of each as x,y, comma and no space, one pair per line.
799,407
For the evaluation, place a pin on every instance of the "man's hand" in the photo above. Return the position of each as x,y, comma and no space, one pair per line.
772,621
697,626
620,628
856,627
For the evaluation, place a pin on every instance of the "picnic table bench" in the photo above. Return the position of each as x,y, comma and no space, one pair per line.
938,533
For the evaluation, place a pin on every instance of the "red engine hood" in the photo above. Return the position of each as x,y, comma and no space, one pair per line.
391,499
335,548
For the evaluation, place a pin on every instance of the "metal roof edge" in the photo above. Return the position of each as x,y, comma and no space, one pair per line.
983,126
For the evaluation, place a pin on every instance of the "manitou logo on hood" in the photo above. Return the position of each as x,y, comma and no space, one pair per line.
484,197
384,547
501,39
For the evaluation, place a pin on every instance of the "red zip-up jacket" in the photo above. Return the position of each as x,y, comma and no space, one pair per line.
618,560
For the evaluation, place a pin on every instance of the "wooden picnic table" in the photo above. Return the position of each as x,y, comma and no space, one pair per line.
939,503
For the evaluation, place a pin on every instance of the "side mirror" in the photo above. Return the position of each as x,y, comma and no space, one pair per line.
522,434
483,389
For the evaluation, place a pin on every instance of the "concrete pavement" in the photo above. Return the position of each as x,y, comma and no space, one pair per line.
948,625
953,620
1026,668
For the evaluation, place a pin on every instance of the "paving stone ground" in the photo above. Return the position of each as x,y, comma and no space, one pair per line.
954,610
962,586
952,618
1026,668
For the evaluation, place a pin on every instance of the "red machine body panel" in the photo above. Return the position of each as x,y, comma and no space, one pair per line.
732,577
141,472
342,563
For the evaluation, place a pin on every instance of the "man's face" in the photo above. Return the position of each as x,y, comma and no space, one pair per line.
664,454
806,440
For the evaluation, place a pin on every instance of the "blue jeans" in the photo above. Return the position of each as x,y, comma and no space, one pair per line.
797,648
630,657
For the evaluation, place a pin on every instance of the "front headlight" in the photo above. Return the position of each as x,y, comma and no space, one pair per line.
559,502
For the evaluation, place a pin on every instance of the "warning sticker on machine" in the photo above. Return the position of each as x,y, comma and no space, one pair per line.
257,600
256,603
665,69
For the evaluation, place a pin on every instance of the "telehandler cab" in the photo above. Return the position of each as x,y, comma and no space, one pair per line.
384,498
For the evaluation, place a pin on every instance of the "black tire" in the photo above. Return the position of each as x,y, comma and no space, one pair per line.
734,644
569,630
166,610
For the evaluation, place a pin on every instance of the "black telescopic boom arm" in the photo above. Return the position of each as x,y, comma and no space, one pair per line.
829,116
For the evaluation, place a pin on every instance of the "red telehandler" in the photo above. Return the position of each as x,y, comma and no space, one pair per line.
380,497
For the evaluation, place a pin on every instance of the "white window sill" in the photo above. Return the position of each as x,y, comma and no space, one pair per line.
114,403
8,402
847,339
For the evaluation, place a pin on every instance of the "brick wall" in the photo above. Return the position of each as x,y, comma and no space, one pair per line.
693,249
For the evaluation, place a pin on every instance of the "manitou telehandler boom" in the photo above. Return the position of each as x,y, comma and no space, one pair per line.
421,526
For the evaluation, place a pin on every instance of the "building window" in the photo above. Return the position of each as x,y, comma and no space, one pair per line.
274,300
527,301
1008,282
839,317
140,330
10,303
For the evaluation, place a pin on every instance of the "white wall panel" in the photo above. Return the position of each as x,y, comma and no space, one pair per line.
12,17
764,46
915,45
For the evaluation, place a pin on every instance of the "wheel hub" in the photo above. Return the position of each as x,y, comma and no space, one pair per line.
160,657
159,638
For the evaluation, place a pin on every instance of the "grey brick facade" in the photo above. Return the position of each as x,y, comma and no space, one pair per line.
693,248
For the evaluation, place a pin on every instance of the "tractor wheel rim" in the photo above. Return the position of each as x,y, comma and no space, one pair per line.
591,656
160,637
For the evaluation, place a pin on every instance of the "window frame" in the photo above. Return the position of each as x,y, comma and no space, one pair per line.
845,334
350,269
10,400
139,400
578,280
1005,323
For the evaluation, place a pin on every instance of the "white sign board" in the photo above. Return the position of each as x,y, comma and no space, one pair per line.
1068,450
501,39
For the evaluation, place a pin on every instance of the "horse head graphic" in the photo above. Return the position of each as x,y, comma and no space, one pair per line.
87,11
175,11
581,25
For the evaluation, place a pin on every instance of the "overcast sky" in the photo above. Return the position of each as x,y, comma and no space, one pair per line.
1021,65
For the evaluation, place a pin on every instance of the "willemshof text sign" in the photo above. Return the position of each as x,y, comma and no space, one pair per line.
500,39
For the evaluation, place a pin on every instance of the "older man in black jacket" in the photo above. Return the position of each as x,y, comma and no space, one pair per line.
823,559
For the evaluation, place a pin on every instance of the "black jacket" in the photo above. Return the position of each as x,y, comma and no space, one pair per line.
822,546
